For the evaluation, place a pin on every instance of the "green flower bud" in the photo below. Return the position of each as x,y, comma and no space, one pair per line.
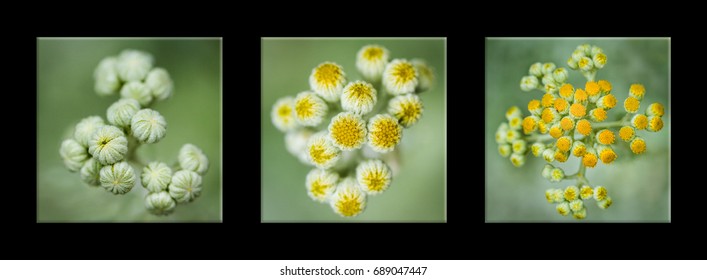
122,112
118,178
106,76
160,84
108,145
85,129
148,126
73,154
91,172
156,176
133,65
185,186
160,203
137,91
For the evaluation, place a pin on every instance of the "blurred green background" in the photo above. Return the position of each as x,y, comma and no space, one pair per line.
66,95
638,184
416,194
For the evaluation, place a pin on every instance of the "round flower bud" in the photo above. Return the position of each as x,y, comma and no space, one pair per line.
579,148
567,123
528,83
536,69
595,50
185,186
655,109
106,76
504,150
564,143
513,112
562,106
604,86
577,55
371,61
91,172
584,127
606,154
160,203
347,131
599,60
548,100
530,124
567,92
580,215
637,91
549,195
561,156
548,80
156,176
118,178
359,97
282,114
321,152
547,171
108,145
639,121
296,143
406,108
148,126
563,208
603,204
321,184
85,129
550,88
631,104
501,133
510,135
592,88
559,196
576,205
550,115
426,75
534,107
159,83
577,111
590,158
400,77
515,123
572,63
309,109
557,175
384,133
542,127
655,124
586,192
627,133
348,200
638,145
133,65
373,176
607,101
600,193
605,137
137,91
519,146
585,64
537,148
193,159
556,131
549,155
122,111
73,154
560,75
571,193
517,160
548,68
598,114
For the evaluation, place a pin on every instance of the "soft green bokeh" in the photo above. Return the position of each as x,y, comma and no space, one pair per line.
66,95
638,184
416,194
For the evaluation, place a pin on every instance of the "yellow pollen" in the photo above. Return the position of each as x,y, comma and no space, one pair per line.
318,189
626,133
348,132
580,95
601,193
548,100
284,112
656,124
563,144
637,90
327,74
566,90
657,109
601,58
304,108
578,110
373,53
374,181
604,85
386,133
403,73
529,125
348,205
556,132
579,150
607,156
560,156
609,101
592,88
631,104
599,114
411,112
566,123
640,121
589,160
319,154
561,105
638,146
547,115
606,137
584,127
533,105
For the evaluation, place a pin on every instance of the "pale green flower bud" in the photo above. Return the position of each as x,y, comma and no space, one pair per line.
547,171
528,83
192,158
148,126
426,77
137,91
106,76
557,175
73,154
160,203
156,176
160,84
548,68
536,69
122,112
118,178
577,55
572,63
560,75
85,129
108,145
133,65
91,172
185,186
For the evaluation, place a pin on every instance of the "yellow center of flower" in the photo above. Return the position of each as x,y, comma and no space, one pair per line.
638,146
374,180
626,133
606,137
360,92
640,121
327,74
566,90
563,144
411,112
592,88
304,108
556,131
566,123
601,58
599,114
319,188
529,125
560,156
578,110
548,100
319,154
348,132
637,90
583,62
580,96
284,112
533,105
631,104
609,101
561,105
373,53
656,109
589,160
548,115
386,133
579,150
604,85
600,193
348,205
586,192
607,156
511,111
576,206
403,73
562,211
656,123
584,127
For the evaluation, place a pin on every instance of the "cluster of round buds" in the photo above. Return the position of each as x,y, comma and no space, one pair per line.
318,134
100,148
509,140
587,59
573,199
547,73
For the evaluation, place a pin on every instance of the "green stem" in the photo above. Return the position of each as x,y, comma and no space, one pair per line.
609,124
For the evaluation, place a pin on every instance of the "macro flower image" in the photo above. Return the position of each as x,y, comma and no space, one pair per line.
577,130
128,130
353,130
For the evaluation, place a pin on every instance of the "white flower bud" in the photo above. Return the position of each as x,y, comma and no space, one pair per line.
572,63
348,200
321,184
549,80
371,61
137,91
548,68
156,176
108,145
73,154
528,83
160,203
91,172
133,65
185,186
373,176
193,159
577,55
359,97
160,84
595,50
547,171
106,76
536,69
85,129
585,64
282,114
122,112
560,75
118,178
296,143
328,80
148,126
426,75
400,77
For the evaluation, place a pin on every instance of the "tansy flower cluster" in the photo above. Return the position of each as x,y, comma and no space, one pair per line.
348,130
571,120
103,150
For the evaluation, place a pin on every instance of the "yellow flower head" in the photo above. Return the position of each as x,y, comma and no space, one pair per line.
567,123
564,143
347,131
282,114
371,61
328,80
400,77
321,151
519,146
584,127
359,97
321,184
384,133
592,88
542,127
580,96
374,176
655,124
530,124
566,91
577,110
637,91
585,64
576,205
598,114
534,107
561,105
561,156
638,145
537,148
550,115
557,175
600,193
627,133
631,104
578,148
586,192
548,100
510,134
605,86
408,109
605,137
348,200
607,101
590,158
571,193
309,109
655,109
639,121
556,131
599,60
607,155
558,196
513,112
